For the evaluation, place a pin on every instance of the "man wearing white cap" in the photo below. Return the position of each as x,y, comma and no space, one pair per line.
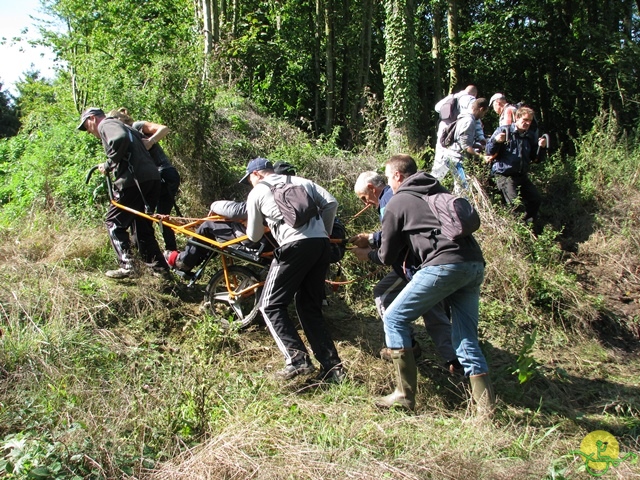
505,111
297,272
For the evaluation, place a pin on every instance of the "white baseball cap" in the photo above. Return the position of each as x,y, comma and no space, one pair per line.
496,96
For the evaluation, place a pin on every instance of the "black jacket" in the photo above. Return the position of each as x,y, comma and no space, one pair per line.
408,221
124,148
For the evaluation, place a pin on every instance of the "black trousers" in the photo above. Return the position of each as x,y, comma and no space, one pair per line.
170,184
520,185
194,253
118,221
298,270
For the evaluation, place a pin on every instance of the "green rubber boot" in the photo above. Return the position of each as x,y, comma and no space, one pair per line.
404,396
482,393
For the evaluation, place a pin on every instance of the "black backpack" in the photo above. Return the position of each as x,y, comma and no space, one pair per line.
338,249
296,205
448,135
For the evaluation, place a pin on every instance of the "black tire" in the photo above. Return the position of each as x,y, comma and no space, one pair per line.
240,311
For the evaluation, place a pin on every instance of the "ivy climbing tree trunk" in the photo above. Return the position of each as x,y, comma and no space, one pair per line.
400,76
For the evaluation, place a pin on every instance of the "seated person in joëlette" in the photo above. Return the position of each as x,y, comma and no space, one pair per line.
235,213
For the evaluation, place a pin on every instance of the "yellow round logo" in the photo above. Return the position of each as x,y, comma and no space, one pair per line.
601,449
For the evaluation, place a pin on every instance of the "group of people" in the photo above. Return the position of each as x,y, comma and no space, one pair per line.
432,276
509,151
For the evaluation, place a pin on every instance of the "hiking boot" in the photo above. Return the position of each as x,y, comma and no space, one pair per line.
482,394
335,375
120,273
385,353
291,371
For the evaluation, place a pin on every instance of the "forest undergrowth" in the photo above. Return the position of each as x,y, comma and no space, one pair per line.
133,379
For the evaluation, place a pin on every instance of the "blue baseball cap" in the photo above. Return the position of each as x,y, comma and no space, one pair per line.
255,165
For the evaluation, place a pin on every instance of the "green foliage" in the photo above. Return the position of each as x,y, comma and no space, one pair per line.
607,159
526,364
400,76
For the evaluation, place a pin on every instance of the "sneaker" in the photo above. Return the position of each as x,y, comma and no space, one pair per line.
291,371
120,273
335,375
170,256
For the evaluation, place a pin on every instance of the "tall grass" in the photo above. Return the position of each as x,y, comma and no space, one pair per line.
104,379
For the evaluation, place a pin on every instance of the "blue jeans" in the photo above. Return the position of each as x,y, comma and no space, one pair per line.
459,284
460,184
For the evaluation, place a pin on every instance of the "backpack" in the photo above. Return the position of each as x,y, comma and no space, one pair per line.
448,135
296,205
449,110
338,249
457,217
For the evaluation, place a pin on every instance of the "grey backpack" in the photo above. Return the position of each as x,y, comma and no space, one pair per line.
296,205
457,217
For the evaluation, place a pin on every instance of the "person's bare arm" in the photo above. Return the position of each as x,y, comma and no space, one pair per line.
153,132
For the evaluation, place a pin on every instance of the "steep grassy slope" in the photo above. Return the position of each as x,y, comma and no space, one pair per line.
132,379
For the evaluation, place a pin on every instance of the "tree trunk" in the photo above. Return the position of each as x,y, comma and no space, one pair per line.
362,79
215,20
316,26
224,12
452,27
206,18
436,52
400,76
329,25
235,18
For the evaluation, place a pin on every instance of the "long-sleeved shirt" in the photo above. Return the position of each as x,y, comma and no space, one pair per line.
262,208
465,135
125,152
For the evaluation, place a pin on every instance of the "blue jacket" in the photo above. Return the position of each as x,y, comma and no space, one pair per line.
405,264
384,198
515,155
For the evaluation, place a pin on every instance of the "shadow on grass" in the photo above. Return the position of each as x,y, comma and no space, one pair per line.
552,391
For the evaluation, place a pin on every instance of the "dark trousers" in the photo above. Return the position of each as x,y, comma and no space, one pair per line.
170,184
298,270
194,253
520,185
118,221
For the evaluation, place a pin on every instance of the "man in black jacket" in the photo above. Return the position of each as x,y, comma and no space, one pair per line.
450,270
137,186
